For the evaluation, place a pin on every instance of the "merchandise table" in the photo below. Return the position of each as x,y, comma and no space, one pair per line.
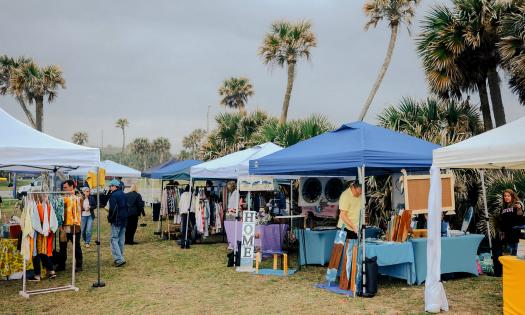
513,284
11,261
270,238
393,259
317,245
458,254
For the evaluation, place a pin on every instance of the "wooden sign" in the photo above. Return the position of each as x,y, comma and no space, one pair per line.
249,221
417,187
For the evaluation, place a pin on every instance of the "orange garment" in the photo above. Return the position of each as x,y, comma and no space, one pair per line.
72,212
513,285
50,244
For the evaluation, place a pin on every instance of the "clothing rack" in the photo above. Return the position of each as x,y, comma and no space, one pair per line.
70,287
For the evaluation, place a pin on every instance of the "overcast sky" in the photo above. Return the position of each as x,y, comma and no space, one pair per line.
159,63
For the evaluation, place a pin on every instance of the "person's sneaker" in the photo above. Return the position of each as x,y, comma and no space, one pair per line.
120,264
87,245
34,279
52,275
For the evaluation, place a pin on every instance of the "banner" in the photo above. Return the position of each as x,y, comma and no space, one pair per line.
248,241
256,183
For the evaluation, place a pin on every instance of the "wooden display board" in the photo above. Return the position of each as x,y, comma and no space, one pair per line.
417,187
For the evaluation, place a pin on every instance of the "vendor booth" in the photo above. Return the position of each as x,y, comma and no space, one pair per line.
499,148
356,149
231,167
30,149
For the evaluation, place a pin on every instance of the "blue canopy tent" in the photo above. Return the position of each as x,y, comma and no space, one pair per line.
147,173
347,151
343,151
175,170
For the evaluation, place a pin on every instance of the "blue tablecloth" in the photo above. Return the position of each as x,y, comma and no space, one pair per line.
318,245
458,254
394,259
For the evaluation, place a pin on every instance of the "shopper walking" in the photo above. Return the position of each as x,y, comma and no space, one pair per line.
135,209
89,204
117,217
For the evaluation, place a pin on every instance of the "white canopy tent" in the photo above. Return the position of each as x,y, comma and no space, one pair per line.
232,165
113,169
498,148
24,148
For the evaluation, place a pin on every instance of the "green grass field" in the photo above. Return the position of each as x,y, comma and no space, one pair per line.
162,278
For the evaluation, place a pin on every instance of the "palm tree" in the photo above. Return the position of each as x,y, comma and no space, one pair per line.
161,146
7,65
141,147
193,141
512,50
286,43
434,120
122,123
33,83
451,66
80,138
235,93
395,12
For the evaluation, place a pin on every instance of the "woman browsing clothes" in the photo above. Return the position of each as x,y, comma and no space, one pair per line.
511,216
89,205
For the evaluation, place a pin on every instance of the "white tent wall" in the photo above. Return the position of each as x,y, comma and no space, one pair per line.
503,147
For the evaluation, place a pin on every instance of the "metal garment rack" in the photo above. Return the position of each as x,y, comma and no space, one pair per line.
72,286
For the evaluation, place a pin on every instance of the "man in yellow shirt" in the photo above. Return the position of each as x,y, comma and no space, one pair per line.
350,210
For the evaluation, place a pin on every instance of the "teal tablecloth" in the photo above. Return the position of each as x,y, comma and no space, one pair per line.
394,259
458,254
318,246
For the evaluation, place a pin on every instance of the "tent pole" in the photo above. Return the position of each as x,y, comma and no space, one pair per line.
363,229
486,208
99,283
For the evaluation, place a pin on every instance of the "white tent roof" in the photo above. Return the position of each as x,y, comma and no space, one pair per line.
232,165
21,145
112,169
500,147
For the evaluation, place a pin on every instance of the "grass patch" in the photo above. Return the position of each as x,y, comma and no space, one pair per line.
162,278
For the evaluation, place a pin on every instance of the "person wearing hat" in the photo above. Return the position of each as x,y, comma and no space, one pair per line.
117,217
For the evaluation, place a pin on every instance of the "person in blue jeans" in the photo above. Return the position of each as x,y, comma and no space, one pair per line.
89,204
117,217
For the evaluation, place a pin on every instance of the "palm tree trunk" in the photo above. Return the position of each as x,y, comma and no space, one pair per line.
123,140
484,105
382,72
39,103
495,96
289,86
26,110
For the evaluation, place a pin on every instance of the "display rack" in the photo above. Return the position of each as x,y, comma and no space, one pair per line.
71,287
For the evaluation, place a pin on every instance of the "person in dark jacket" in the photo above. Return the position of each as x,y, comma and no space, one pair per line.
118,217
135,209
511,215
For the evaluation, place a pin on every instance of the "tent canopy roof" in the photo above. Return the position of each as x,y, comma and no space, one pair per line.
341,152
112,169
232,165
147,173
21,145
175,170
496,148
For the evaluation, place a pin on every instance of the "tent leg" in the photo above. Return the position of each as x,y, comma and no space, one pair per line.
363,228
99,283
482,175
